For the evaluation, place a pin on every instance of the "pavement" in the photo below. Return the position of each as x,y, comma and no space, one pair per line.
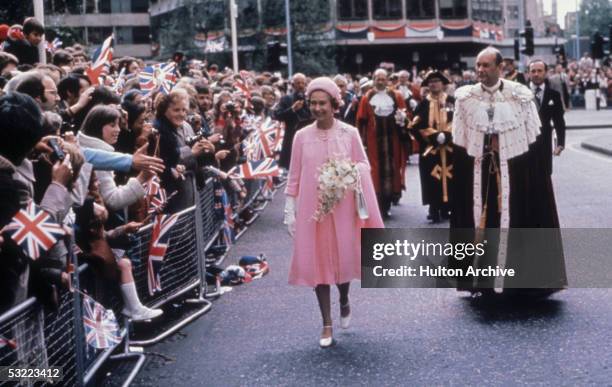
589,119
266,332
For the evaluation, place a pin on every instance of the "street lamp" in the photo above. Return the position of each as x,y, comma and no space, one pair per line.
39,14
289,53
233,17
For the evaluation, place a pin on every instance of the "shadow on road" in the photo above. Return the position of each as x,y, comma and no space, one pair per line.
513,309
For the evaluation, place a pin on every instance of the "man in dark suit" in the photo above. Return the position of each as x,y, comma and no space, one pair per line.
550,107
294,112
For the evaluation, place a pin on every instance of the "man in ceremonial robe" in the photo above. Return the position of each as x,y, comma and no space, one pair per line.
381,120
500,187
432,128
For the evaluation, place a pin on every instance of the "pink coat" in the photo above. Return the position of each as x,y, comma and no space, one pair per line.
327,252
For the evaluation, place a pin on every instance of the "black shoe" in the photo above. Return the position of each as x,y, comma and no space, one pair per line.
445,214
435,218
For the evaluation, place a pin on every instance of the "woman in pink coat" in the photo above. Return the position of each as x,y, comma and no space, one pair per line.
326,252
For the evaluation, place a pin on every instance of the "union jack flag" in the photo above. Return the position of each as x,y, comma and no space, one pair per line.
161,76
268,188
242,86
101,328
54,45
224,208
261,142
10,342
101,61
155,195
160,240
256,169
120,82
215,45
33,229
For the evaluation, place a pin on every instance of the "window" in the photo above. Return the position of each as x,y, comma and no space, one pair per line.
387,9
352,9
72,7
513,12
140,6
104,6
453,9
141,35
420,9
247,14
489,10
96,35
123,35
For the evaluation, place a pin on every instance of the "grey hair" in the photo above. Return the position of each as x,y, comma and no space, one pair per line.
380,71
341,78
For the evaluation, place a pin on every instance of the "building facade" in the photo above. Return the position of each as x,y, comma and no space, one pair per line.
363,33
92,21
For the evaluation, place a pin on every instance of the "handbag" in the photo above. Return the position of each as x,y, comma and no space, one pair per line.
362,207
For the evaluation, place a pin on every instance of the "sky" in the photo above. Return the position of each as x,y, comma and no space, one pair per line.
563,7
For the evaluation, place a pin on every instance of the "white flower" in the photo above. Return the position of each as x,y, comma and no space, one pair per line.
336,177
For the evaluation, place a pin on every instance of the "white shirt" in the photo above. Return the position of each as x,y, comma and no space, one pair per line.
534,87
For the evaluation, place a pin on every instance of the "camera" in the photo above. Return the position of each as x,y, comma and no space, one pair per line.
191,140
58,154
300,97
230,107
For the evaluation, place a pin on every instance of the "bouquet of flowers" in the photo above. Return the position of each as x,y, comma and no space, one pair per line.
336,177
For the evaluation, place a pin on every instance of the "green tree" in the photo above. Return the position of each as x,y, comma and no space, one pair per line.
15,11
595,15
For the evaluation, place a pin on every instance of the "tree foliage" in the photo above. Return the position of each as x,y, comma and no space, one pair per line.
595,15
15,11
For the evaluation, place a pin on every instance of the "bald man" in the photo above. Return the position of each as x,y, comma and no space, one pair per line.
294,112
500,185
381,120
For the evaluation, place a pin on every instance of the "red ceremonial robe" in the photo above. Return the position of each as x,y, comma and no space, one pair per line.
376,151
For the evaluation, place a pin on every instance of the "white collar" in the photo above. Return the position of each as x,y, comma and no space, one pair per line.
493,88
533,86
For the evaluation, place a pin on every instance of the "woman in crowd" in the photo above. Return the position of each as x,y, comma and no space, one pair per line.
327,252
100,130
181,158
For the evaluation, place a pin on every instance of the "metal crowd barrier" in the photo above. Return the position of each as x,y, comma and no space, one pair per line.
181,273
31,337
107,293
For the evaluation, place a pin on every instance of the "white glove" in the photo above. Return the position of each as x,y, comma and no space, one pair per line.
400,117
441,137
289,219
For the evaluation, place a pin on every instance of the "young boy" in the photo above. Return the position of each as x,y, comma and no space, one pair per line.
26,49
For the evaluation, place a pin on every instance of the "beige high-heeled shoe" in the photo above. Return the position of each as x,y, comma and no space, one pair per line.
345,322
326,342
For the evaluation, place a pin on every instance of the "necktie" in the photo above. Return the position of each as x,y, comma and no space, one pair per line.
538,95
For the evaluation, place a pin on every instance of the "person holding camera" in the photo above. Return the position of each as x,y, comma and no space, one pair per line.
294,112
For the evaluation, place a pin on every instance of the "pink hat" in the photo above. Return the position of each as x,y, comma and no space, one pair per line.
327,85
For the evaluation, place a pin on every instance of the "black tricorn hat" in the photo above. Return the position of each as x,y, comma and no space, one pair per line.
435,74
